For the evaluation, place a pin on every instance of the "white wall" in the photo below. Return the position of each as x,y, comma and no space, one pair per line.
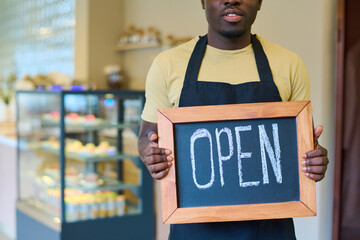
306,27
178,18
98,28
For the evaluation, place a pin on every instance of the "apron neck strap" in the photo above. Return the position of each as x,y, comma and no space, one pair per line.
193,68
262,62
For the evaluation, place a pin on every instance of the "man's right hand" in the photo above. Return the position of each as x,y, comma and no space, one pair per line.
157,160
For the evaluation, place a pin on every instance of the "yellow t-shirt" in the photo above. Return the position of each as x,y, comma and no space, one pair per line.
166,75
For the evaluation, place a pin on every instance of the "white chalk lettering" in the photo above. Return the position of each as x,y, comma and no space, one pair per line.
266,150
274,158
242,155
201,133
221,157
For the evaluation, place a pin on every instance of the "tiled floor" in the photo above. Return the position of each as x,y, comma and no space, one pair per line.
4,237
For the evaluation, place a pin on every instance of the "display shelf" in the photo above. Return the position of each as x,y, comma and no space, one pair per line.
114,186
79,172
106,184
90,127
130,210
39,214
115,157
134,46
45,217
27,145
91,158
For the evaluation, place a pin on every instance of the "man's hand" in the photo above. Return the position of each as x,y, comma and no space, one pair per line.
316,161
157,160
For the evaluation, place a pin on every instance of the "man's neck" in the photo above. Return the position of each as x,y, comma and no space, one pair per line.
221,42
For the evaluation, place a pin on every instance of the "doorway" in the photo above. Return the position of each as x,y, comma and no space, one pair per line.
346,216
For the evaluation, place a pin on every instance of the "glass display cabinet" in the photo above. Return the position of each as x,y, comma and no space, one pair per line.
79,173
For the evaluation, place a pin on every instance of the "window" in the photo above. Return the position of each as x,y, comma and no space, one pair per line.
37,37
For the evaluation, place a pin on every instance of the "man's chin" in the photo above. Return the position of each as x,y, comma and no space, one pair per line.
232,34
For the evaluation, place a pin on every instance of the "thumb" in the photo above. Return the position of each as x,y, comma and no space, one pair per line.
152,136
317,133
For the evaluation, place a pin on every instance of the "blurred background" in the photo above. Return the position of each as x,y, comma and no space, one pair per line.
47,45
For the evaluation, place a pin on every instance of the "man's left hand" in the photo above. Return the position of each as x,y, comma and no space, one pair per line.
315,162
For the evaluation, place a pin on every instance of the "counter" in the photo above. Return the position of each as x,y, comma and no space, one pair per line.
8,182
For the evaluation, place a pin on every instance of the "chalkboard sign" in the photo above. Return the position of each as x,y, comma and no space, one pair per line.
236,162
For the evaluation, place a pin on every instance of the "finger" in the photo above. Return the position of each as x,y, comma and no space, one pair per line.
156,168
315,169
315,177
161,174
158,151
317,161
154,159
317,152
317,132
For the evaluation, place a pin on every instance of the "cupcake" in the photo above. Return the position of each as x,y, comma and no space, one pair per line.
91,180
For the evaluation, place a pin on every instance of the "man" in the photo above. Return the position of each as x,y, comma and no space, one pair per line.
228,65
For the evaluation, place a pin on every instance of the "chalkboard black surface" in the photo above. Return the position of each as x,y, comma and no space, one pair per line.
236,162
221,162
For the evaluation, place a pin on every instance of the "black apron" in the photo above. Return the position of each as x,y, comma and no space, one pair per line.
199,93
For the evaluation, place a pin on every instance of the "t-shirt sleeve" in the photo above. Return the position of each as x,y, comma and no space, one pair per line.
300,83
155,92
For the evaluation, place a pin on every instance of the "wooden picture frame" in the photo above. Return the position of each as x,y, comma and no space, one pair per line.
172,213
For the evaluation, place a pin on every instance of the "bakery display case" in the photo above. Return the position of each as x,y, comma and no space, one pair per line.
79,173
